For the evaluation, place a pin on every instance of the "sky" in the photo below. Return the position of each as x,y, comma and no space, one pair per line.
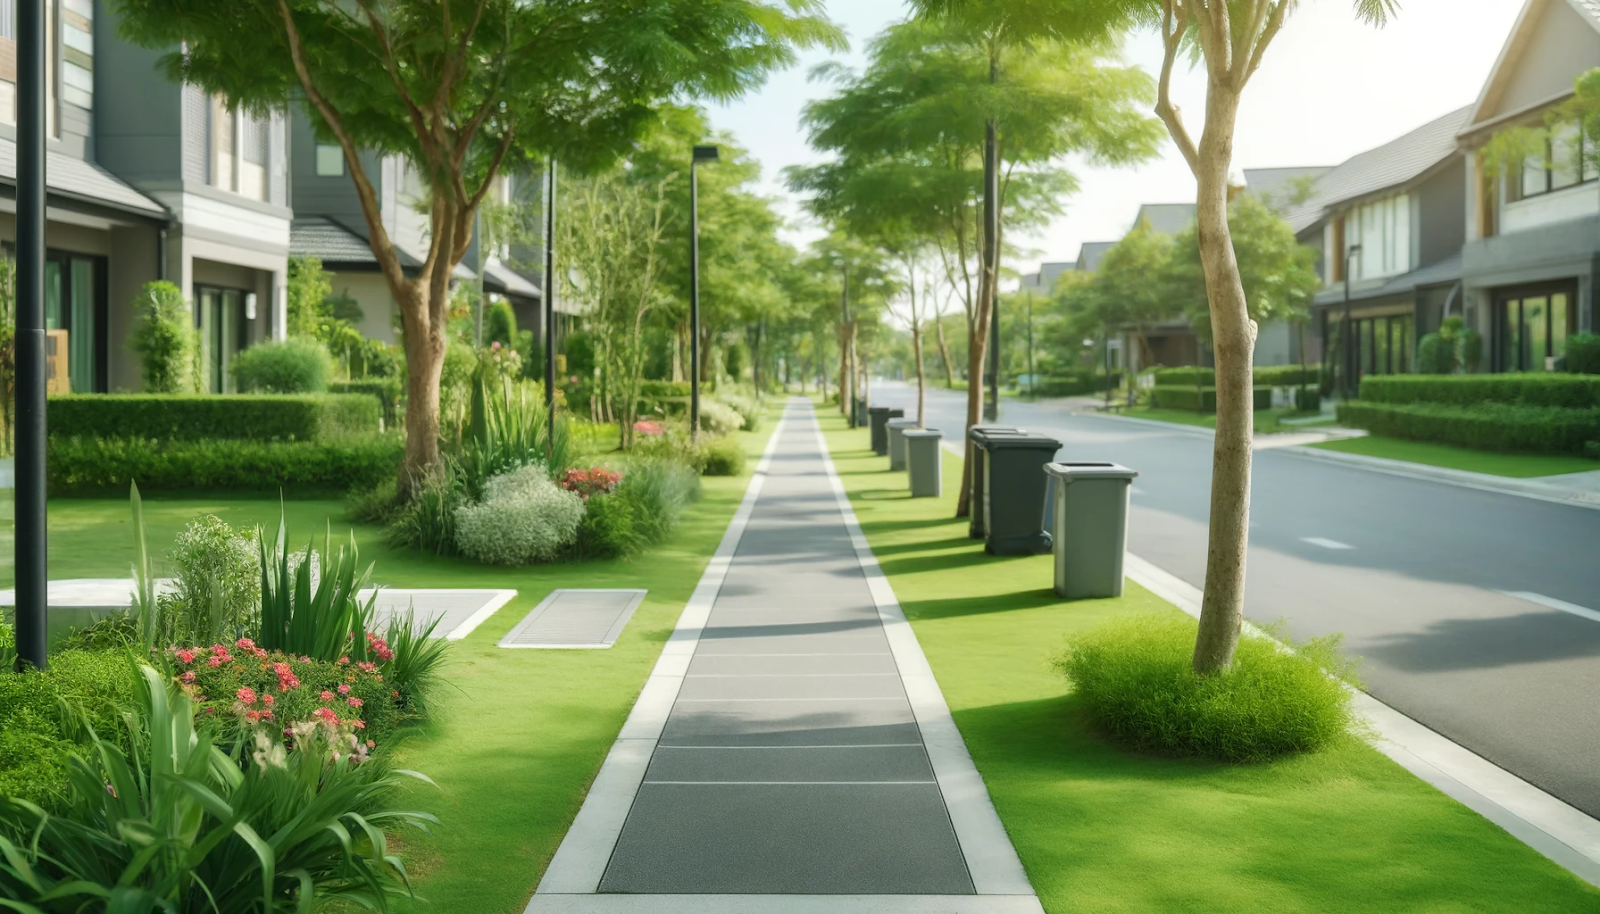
1328,88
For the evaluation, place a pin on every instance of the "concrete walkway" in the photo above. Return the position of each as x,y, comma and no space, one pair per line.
792,751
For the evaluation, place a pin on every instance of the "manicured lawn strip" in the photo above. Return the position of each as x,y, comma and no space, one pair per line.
1266,419
520,734
1520,466
1102,830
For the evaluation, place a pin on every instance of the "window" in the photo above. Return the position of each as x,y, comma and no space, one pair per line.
74,301
77,52
1383,230
1531,328
1568,160
224,130
330,160
240,143
254,134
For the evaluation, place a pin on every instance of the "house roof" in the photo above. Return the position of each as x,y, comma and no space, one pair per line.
1276,184
1167,218
340,246
1393,164
513,283
1090,255
1489,111
1590,9
75,179
1435,274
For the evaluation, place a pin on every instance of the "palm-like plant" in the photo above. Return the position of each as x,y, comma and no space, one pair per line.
324,619
178,825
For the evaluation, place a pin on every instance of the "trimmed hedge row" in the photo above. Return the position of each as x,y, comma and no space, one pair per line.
1203,399
1265,376
1485,426
1074,385
1528,389
105,466
658,389
197,417
386,390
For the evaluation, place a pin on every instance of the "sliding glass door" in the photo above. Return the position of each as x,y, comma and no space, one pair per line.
223,332
74,301
1531,327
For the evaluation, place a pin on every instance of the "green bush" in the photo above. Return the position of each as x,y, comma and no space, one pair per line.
720,457
106,466
311,604
1203,399
608,529
660,389
293,366
386,390
1136,680
523,518
1074,384
164,339
40,718
1185,377
299,417
1485,426
643,510
1435,355
1308,399
1264,375
719,418
217,592
500,324
1526,389
1583,353
1591,450
427,521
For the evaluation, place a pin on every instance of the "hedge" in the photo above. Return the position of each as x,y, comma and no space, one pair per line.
105,466
654,390
197,417
1265,376
1529,389
1583,353
1074,384
386,390
1202,399
1486,426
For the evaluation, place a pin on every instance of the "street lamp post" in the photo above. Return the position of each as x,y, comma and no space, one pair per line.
1347,332
548,297
700,154
33,573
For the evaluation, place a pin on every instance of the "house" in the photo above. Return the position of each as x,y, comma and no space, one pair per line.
1389,224
1090,255
1042,282
1166,218
1532,229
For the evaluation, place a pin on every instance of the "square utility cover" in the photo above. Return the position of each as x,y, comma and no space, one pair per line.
576,619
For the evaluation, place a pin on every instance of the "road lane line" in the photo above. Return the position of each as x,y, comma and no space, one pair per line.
1325,543
1553,603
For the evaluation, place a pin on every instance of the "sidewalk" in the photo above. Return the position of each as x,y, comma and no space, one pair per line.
791,752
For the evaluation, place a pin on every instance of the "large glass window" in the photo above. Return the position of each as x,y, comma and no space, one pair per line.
1383,230
224,331
73,301
330,160
1531,328
1568,160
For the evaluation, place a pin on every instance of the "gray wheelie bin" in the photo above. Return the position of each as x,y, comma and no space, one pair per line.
977,434
896,429
1091,527
923,462
879,416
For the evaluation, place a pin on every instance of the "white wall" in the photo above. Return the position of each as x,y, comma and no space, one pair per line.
1551,208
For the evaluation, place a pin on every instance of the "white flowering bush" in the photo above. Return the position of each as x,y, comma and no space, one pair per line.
523,518
719,418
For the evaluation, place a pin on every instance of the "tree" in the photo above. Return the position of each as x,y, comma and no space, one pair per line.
463,90
1231,36
1130,287
165,339
309,287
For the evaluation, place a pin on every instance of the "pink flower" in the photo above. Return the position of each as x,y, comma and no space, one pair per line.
367,667
268,700
253,716
326,715
344,689
214,661
247,695
245,643
495,345
186,655
187,678
371,744
265,715
353,702
327,695
359,724
343,660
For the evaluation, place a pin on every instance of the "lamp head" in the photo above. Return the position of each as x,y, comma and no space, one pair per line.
704,154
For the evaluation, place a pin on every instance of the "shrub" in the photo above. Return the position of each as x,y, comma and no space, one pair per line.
1435,355
523,518
379,504
293,366
96,466
718,418
302,417
1527,389
1287,375
656,390
500,324
509,429
608,529
747,409
41,713
1136,680
164,339
386,390
254,831
217,596
1202,399
643,510
427,521
720,457
1486,426
1190,377
321,616
1583,353
1308,399
413,670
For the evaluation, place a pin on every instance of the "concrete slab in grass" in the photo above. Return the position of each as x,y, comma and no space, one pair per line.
792,688
803,722
741,640
793,665
570,618
815,839
456,612
758,764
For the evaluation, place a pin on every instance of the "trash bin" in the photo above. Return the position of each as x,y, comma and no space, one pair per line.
923,461
1091,527
895,429
1014,489
976,434
879,416
858,413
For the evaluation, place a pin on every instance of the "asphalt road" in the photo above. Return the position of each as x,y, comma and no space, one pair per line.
1418,576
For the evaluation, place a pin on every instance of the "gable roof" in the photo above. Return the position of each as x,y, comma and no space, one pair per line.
1090,255
1487,110
1391,165
75,179
341,247
1269,184
1166,218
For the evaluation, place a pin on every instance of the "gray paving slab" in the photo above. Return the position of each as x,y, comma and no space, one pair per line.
791,664
759,615
571,618
798,603
827,686
904,762
806,722
741,641
788,838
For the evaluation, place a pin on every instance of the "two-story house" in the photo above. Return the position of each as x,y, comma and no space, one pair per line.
1389,223
1532,251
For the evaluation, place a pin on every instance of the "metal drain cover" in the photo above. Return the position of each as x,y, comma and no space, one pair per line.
576,619
458,611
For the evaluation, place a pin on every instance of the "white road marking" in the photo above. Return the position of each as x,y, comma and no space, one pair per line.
1553,603
1325,543
1135,490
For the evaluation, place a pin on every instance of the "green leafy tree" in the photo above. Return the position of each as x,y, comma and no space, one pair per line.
463,90
309,287
1130,289
165,340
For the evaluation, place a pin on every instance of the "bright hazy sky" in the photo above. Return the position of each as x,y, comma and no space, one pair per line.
1328,89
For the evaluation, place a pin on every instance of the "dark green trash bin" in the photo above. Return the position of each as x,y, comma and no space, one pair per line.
977,435
879,416
1015,490
858,413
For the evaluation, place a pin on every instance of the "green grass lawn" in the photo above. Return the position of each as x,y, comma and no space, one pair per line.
1267,420
1521,466
1103,830
519,734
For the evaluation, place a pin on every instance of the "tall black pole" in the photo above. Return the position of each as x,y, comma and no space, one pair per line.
1348,331
694,300
31,527
991,255
1031,390
549,295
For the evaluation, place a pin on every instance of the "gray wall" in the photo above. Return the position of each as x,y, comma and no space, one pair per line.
1441,224
313,195
139,116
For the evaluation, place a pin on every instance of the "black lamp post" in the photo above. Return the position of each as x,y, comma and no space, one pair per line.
548,297
700,154
1348,331
32,559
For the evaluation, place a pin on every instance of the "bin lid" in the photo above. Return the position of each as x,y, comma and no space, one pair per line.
1074,471
1021,440
877,409
923,433
902,423
979,432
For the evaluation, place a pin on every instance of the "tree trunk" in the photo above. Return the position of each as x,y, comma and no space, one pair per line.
922,381
1233,341
424,346
944,353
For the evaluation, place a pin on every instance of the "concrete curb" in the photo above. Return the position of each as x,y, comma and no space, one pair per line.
1566,835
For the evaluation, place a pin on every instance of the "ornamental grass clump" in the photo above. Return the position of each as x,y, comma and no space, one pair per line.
217,593
523,518
1136,679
